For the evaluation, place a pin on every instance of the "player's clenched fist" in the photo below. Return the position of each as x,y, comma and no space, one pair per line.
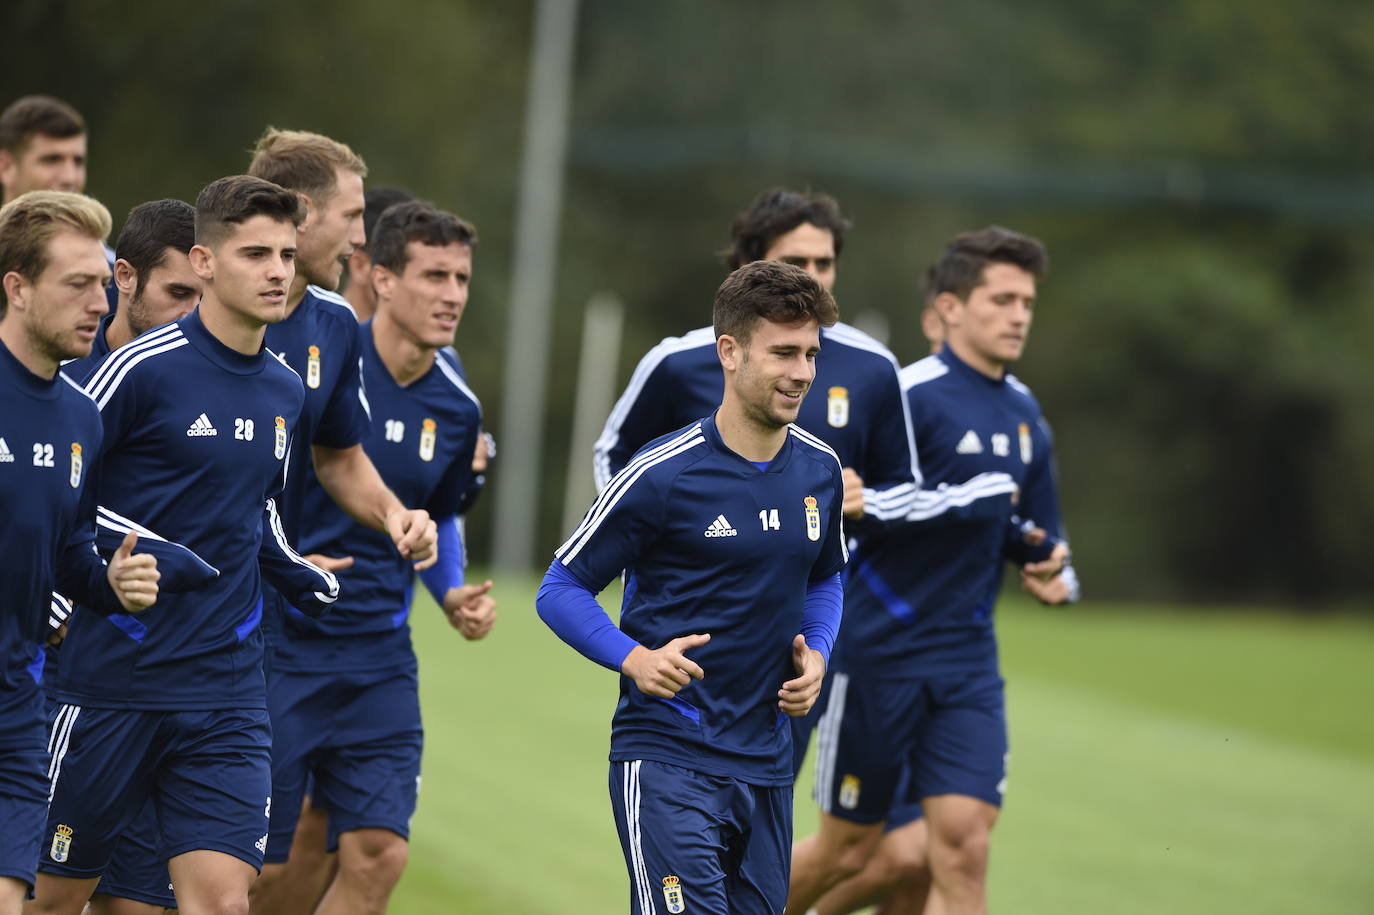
662,672
415,535
471,610
797,696
133,578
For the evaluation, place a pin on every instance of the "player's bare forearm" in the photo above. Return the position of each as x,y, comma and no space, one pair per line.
352,481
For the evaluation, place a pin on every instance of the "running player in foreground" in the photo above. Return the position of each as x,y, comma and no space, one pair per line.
171,705
917,694
52,276
730,534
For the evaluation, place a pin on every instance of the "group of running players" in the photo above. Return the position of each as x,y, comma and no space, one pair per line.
218,486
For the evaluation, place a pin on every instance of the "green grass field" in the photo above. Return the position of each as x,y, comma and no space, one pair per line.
1162,762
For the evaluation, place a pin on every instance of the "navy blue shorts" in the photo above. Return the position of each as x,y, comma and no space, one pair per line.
208,773
24,761
353,741
949,734
138,868
701,843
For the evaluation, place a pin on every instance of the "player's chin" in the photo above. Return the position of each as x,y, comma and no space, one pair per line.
74,346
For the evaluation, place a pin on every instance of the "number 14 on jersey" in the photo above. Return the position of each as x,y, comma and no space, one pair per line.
768,517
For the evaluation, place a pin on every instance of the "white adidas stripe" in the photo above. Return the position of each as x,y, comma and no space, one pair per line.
621,484
102,399
452,375
58,744
331,583
643,889
982,486
111,366
828,740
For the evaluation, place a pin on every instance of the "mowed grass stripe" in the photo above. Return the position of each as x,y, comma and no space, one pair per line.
1125,794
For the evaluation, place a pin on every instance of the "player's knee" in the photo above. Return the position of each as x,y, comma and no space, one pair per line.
964,846
226,903
848,852
376,859
268,879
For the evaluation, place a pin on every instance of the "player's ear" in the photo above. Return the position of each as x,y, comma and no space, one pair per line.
202,262
728,350
125,277
7,166
308,205
948,306
15,287
383,281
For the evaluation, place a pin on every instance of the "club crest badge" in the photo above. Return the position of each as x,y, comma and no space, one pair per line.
61,844
1024,431
312,368
849,792
672,894
837,407
813,518
280,450
428,436
75,478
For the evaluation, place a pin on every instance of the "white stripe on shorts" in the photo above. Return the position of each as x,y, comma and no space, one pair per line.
62,726
828,741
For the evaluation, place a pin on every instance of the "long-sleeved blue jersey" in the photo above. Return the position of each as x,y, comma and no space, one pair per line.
422,444
919,599
50,439
196,436
855,406
713,544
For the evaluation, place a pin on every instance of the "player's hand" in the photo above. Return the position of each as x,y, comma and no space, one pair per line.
471,610
1054,591
133,578
58,635
1046,569
797,696
1034,536
415,536
328,563
481,457
853,506
662,672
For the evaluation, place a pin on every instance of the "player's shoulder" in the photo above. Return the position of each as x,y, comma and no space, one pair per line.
331,303
77,401
922,371
672,351
665,457
814,449
450,370
1022,393
276,369
157,352
857,345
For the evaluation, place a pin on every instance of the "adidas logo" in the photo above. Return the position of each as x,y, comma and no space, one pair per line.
6,455
261,845
969,444
202,426
720,528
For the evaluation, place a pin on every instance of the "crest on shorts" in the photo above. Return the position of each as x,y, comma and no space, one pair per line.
75,478
849,792
312,368
61,843
428,436
672,894
280,449
837,407
813,518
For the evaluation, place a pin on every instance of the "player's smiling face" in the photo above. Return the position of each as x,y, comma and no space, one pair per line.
333,227
63,306
252,268
990,329
428,298
46,164
809,247
775,370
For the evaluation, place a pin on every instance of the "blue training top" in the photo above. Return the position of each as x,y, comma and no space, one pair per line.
920,597
196,437
422,444
711,544
855,406
50,441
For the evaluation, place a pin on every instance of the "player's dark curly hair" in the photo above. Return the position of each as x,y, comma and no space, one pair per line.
229,201
149,230
960,268
415,220
769,291
776,212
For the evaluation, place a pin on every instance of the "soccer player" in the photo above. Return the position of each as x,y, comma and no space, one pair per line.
42,147
52,274
730,534
153,276
344,691
917,694
172,704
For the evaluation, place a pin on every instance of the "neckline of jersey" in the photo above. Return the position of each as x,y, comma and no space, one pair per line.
946,355
227,358
777,465
33,385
